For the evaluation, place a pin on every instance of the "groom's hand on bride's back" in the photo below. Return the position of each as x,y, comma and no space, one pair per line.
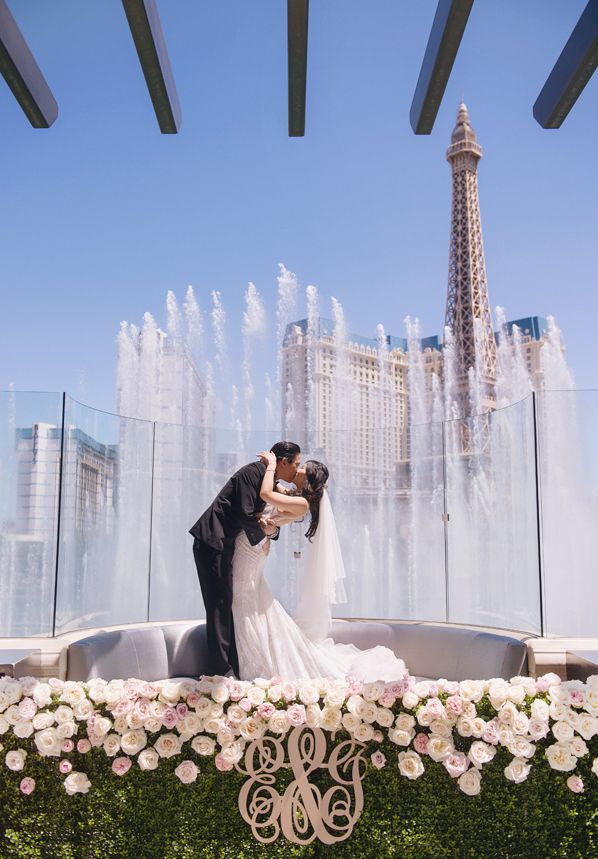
268,526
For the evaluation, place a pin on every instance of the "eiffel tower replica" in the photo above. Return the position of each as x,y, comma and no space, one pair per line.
467,305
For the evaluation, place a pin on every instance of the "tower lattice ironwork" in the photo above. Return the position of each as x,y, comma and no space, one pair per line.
467,306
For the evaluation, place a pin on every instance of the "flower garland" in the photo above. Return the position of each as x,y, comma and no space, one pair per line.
136,721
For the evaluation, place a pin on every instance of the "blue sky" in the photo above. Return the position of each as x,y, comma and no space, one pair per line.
102,214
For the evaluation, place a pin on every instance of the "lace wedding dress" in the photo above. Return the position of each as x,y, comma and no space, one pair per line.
270,643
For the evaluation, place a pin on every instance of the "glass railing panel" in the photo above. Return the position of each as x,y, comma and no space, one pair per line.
492,533
105,519
30,433
568,430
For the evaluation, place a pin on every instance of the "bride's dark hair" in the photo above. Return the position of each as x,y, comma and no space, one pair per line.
316,475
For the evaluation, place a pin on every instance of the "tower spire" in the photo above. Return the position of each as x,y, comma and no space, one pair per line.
467,305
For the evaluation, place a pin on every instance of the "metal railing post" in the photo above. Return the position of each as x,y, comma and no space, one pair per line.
538,511
59,517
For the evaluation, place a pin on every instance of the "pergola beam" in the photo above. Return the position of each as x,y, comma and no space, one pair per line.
297,19
146,30
571,72
23,75
445,37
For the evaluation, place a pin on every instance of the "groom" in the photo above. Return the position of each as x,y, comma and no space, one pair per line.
237,507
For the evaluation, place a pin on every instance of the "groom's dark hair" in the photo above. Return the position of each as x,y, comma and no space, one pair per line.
285,450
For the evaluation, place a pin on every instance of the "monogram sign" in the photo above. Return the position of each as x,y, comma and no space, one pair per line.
302,813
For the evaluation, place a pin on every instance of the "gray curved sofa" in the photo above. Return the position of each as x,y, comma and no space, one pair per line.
180,650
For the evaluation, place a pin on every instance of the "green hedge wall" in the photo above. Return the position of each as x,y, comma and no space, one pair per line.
152,815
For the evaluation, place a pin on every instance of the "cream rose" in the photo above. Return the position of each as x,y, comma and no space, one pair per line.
66,730
220,693
112,745
350,722
410,765
313,715
168,745
203,745
23,729
187,772
480,753
562,732
48,743
251,729
560,758
372,691
278,722
15,760
133,741
309,693
410,700
42,695
540,710
364,733
148,759
471,690
518,770
233,753
256,696
367,711
354,703
586,726
439,747
521,748
404,722
331,718
470,782
76,782
399,737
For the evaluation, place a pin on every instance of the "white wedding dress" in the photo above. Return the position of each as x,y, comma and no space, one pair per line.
270,643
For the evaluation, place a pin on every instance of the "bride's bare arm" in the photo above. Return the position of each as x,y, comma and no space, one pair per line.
293,505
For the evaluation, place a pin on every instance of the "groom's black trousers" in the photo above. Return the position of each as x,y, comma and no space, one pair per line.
215,571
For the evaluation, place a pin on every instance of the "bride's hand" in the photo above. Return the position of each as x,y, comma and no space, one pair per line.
268,458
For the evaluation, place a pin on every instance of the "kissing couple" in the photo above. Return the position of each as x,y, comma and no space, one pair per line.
249,633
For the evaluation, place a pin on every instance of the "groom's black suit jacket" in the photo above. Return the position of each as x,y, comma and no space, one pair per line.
236,508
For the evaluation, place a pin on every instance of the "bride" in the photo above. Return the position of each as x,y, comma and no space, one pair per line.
269,642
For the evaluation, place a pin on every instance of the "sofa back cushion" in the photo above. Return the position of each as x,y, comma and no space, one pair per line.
119,654
187,649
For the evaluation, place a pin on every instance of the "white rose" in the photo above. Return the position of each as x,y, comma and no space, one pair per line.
187,772
4,726
384,717
101,726
468,710
335,696
152,724
313,715
96,689
83,710
517,770
559,693
203,745
66,730
215,711
350,722
262,682
372,691
256,696
560,758
506,735
562,731
220,693
76,782
507,713
498,691
224,737
168,745
12,715
364,733
399,737
73,693
12,690
471,690
405,722
578,747
517,694
480,753
309,693
424,717
354,703
522,748
540,710
112,745
558,710
15,760
410,700
521,723
170,692
478,726
331,718
133,741
190,725
470,782
439,747
422,688
587,726
537,729
367,712
148,759
410,764
274,693
42,695
595,766
441,727
212,726
251,729
234,752
48,742
114,693
278,722
23,729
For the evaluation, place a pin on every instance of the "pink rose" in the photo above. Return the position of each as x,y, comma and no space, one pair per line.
387,699
355,687
56,684
395,689
245,704
456,763
433,689
193,698
491,733
265,710
83,746
542,684
296,714
68,746
575,697
435,707
182,710
222,764
575,783
131,689
454,704
147,690
65,766
95,741
277,680
378,760
420,743
27,708
235,691
141,709
407,683
170,717
27,785
121,765
122,707
289,691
